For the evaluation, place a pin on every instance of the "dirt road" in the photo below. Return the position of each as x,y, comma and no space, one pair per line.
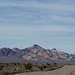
66,70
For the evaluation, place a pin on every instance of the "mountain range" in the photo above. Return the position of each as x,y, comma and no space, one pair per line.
36,54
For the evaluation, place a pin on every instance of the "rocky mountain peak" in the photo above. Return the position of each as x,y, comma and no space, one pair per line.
54,50
5,49
35,46
15,49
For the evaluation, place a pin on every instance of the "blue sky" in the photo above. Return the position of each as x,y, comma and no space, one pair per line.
48,23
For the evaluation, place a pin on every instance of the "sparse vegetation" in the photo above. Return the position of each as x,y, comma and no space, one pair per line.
26,67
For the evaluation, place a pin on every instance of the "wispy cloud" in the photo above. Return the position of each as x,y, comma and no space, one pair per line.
36,12
33,28
40,21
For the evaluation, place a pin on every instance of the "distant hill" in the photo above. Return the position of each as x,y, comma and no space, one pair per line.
35,53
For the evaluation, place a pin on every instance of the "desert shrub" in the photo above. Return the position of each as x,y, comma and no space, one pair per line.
55,63
1,67
36,64
40,67
15,64
28,66
18,64
48,64
44,66
7,64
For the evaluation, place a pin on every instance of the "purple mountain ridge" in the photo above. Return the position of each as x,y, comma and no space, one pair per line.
35,53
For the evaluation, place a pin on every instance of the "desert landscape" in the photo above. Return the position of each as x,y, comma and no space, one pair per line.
37,37
66,70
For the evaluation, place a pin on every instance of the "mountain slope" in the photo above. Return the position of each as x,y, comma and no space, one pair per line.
37,54
6,52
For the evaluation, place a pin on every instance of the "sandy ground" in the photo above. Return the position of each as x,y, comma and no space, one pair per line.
66,70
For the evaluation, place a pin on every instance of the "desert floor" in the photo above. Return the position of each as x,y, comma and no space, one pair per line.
66,70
